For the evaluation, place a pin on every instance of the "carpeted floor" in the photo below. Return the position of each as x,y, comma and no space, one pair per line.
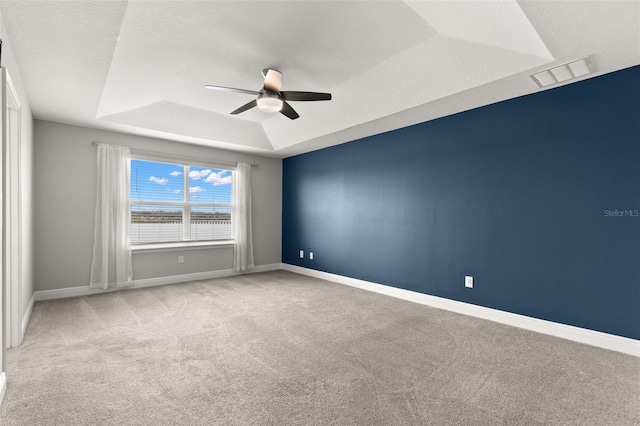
283,349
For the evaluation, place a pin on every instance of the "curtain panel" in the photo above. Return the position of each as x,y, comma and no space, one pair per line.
243,256
111,264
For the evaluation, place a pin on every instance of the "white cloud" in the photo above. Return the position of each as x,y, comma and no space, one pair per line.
175,173
176,191
219,178
199,174
159,181
195,189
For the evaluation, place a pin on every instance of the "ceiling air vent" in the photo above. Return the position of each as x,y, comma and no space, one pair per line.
562,73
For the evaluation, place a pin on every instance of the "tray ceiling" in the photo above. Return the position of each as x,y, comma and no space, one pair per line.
140,66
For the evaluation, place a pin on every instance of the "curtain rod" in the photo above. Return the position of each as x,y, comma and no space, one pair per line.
152,153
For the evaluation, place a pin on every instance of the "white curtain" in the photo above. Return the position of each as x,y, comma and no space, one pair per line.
112,245
243,256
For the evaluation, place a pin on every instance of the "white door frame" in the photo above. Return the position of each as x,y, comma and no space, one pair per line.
11,140
3,308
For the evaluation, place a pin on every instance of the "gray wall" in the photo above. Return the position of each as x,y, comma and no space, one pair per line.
65,182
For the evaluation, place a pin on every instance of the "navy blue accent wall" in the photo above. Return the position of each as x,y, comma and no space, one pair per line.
536,197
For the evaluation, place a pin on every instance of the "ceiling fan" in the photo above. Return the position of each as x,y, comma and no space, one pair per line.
271,99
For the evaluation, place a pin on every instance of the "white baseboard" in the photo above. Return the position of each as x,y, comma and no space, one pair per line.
577,334
26,317
151,282
3,386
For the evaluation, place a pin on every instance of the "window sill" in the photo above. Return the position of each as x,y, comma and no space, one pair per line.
199,245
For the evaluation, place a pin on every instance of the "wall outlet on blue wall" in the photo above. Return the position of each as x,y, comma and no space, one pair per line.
301,254
468,281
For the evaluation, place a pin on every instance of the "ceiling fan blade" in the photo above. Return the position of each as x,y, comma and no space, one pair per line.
232,89
272,79
245,107
288,111
305,96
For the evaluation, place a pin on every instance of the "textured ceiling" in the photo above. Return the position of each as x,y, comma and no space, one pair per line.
140,66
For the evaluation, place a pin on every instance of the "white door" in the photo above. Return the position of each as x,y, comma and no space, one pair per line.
12,213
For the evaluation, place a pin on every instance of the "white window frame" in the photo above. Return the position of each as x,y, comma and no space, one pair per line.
185,204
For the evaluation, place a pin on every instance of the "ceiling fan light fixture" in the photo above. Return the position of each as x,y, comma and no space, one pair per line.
271,99
269,103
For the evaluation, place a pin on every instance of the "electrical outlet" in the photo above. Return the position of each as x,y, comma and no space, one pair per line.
311,255
468,281
301,254
180,259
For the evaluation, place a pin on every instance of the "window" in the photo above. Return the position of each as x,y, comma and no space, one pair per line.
173,202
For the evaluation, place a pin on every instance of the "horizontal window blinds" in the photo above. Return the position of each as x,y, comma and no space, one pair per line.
173,202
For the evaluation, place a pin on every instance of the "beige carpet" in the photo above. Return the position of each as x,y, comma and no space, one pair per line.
283,349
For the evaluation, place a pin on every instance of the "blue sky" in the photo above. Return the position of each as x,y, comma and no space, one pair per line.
164,182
